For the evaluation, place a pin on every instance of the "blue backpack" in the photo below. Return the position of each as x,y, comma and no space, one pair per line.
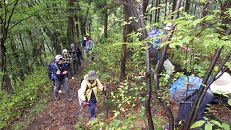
154,33
184,87
51,74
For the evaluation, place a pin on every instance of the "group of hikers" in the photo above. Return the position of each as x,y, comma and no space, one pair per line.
65,66
185,89
88,46
62,67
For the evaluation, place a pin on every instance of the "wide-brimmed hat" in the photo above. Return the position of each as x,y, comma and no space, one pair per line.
91,75
222,85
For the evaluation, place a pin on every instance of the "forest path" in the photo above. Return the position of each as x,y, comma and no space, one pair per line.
59,115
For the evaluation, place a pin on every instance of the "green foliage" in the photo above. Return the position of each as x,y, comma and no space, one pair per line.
210,124
25,96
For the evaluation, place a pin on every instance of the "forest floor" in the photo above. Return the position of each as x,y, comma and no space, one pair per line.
59,115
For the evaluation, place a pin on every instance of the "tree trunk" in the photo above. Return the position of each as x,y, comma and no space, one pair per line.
71,25
148,70
123,51
173,6
156,12
82,18
187,6
4,25
105,21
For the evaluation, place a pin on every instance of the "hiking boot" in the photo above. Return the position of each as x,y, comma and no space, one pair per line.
92,118
69,99
56,98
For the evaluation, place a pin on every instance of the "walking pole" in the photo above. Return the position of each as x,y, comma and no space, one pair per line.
77,113
105,99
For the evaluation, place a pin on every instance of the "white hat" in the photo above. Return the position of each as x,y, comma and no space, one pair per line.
222,85
58,58
64,50
168,26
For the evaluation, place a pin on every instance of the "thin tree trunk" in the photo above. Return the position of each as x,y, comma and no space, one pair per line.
187,6
157,75
194,110
123,51
148,71
105,21
4,25
156,12
71,25
151,15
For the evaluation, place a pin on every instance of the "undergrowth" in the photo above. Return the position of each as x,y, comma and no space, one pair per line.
26,95
125,99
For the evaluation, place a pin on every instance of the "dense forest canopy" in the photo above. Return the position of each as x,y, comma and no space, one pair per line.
33,32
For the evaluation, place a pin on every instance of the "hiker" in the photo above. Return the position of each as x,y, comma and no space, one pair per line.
192,85
61,72
89,91
84,42
90,47
156,51
67,59
76,56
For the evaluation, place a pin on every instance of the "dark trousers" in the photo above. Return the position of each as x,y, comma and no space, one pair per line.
185,108
92,106
75,66
70,71
58,84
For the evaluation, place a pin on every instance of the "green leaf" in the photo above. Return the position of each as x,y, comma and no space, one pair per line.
198,124
142,108
208,126
209,17
196,22
127,121
225,126
116,123
216,123
229,101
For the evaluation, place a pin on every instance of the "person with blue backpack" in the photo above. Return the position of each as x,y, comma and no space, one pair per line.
90,47
61,70
50,73
184,91
157,51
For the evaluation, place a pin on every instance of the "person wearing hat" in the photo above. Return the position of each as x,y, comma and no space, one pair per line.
67,59
169,67
221,89
61,72
221,85
76,55
89,91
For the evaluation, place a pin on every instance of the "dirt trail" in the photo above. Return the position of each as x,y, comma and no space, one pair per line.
59,115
